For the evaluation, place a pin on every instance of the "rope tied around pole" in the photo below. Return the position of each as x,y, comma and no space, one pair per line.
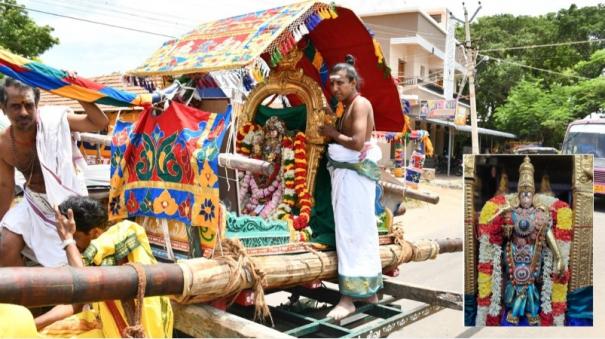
397,234
136,330
243,268
319,256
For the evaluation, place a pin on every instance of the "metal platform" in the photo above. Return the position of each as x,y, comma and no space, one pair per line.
305,314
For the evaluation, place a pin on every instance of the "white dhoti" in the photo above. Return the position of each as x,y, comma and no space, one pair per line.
62,167
353,198
34,219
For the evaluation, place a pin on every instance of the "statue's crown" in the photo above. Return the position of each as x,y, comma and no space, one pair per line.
526,176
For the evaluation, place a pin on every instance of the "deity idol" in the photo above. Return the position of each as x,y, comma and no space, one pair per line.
521,265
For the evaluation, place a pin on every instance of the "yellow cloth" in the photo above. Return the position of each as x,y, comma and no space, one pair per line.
157,312
85,324
157,319
16,321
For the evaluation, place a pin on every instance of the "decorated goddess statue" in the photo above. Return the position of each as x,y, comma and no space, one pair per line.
523,257
284,191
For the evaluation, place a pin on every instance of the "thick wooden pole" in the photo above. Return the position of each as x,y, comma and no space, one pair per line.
412,194
195,280
39,286
94,138
242,163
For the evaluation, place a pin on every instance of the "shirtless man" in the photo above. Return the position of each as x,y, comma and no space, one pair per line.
18,150
352,161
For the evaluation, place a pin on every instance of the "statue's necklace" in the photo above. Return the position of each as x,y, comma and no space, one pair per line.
524,221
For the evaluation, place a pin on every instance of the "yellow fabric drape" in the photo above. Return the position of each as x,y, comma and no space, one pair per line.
16,321
127,239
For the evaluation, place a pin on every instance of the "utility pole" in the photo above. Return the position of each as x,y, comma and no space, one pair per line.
471,58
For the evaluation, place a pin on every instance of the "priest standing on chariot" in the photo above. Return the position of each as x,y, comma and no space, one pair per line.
352,161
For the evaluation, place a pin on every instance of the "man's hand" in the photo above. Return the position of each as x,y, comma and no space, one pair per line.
66,226
559,269
328,131
364,151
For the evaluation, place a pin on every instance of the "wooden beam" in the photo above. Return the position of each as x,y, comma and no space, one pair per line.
94,138
208,322
196,280
401,190
242,163
400,290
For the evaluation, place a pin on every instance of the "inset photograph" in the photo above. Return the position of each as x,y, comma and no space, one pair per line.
528,240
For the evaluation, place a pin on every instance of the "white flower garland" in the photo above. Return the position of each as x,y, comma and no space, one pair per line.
547,280
496,299
559,320
486,253
491,254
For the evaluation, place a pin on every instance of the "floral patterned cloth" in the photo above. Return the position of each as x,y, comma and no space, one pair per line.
166,166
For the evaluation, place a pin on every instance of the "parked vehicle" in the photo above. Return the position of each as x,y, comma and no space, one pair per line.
536,150
587,136
455,166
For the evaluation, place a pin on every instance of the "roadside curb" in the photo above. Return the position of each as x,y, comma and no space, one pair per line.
451,184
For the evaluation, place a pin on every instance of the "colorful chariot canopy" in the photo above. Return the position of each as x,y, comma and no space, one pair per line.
230,43
325,33
58,82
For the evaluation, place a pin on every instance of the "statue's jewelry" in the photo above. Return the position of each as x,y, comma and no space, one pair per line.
524,221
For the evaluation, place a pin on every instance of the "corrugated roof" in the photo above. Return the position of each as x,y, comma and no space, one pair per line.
113,80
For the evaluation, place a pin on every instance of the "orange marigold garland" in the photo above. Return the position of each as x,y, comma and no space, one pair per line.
241,144
300,171
294,165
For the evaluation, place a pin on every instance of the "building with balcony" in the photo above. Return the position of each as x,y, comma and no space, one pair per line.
414,43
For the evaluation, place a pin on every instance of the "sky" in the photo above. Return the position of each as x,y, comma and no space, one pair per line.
93,50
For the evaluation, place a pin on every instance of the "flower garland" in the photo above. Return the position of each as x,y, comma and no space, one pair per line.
293,191
489,280
274,190
284,209
294,163
489,269
300,181
562,217
243,144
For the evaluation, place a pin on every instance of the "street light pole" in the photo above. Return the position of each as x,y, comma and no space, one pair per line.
471,58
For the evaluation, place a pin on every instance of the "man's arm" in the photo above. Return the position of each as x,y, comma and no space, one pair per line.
7,186
57,313
359,125
66,227
94,119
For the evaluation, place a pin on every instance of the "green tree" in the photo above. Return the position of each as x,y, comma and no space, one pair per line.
586,97
594,67
496,79
20,34
535,113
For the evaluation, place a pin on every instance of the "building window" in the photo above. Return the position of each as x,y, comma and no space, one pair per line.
401,71
436,17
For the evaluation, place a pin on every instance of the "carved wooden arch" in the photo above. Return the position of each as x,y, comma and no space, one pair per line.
289,80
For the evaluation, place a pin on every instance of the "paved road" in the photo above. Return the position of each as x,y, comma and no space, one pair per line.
447,273
426,221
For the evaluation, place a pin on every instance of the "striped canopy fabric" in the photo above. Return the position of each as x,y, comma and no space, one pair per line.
58,82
